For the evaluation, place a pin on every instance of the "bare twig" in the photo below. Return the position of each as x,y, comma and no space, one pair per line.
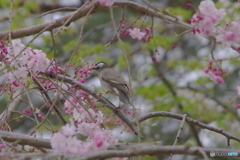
179,132
58,10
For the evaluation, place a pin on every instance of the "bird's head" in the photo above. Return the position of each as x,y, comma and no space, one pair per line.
99,66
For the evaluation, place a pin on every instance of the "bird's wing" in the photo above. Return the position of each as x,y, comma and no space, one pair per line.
114,78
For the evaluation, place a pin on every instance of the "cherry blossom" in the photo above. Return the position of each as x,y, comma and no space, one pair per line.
214,74
69,129
135,33
57,142
238,91
21,60
238,105
206,18
230,34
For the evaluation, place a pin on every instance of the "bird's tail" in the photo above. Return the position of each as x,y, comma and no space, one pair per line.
123,97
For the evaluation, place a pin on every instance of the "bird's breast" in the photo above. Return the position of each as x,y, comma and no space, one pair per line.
108,87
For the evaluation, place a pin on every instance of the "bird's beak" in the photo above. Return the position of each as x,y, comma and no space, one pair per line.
90,69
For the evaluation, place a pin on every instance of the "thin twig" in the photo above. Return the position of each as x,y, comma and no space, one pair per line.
58,10
179,132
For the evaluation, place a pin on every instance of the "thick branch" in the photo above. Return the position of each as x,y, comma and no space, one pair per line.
133,151
25,140
83,12
188,120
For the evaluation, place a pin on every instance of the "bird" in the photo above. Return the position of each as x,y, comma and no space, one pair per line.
113,82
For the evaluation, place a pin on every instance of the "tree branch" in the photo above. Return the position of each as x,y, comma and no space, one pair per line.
190,121
132,151
25,140
83,12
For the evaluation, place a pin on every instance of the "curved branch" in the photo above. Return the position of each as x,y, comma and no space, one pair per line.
101,99
190,121
83,12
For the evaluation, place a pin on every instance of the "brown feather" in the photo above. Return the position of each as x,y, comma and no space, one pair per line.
113,82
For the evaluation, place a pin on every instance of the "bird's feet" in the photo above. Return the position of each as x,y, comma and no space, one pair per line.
101,93
118,107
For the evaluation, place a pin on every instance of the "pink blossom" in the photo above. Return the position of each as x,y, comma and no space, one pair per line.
40,115
135,33
29,60
206,70
238,90
173,46
58,142
238,105
214,77
73,145
229,35
154,59
206,18
87,129
148,31
27,111
99,139
106,2
1,146
69,129
188,5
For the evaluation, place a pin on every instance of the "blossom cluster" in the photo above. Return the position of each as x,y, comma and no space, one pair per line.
88,123
206,21
206,18
21,62
136,33
229,34
214,73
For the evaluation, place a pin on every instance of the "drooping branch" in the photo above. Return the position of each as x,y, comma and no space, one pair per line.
101,99
6,115
190,121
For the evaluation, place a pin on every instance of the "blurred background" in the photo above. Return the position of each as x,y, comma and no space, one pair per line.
174,83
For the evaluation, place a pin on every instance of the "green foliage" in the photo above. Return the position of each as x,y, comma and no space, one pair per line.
121,62
179,11
189,64
71,45
153,91
161,41
5,3
124,46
